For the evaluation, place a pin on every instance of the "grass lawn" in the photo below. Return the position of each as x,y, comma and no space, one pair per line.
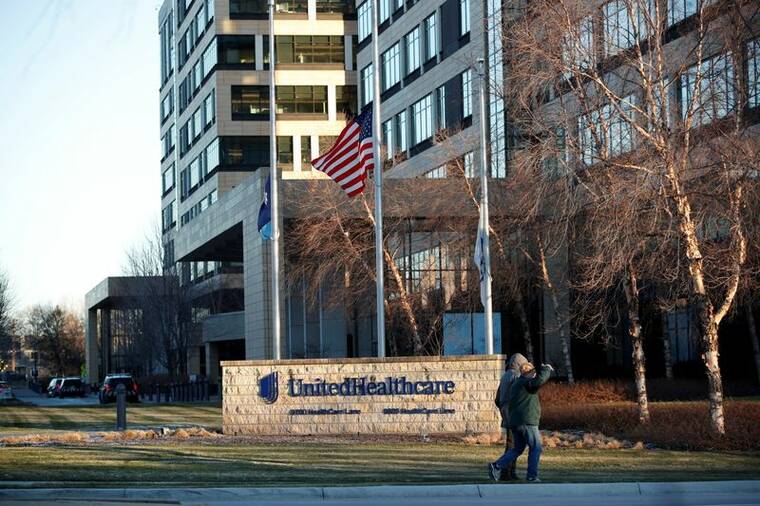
45,420
192,463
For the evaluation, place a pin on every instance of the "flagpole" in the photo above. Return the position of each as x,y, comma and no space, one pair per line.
376,126
275,216
487,303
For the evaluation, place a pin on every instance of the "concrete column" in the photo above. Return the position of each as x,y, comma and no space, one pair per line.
91,345
297,153
312,6
314,148
212,363
349,52
259,49
332,113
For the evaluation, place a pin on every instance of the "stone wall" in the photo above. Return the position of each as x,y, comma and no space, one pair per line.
344,406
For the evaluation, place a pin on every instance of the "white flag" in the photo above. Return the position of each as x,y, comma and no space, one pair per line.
480,259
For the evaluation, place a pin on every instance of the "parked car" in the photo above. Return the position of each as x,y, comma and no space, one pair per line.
6,392
71,387
54,387
108,389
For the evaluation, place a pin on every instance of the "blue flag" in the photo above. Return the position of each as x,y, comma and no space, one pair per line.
265,214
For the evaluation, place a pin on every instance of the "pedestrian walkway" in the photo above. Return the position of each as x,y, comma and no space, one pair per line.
731,492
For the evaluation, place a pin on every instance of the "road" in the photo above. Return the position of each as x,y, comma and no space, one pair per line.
31,397
624,494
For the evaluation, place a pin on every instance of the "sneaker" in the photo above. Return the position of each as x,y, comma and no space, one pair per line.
493,472
533,479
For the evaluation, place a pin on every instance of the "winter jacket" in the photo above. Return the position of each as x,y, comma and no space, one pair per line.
507,379
524,406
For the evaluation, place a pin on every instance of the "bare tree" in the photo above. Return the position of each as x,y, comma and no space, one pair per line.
611,101
332,238
164,304
58,336
8,342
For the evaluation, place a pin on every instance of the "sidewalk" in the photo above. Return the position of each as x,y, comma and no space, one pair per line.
613,492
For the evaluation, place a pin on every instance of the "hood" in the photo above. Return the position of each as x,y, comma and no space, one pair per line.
516,361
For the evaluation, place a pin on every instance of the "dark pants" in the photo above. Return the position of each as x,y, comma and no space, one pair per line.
510,471
525,435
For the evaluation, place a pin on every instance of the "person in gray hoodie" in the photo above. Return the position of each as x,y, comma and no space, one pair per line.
502,402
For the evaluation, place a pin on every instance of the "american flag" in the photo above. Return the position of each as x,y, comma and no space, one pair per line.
349,160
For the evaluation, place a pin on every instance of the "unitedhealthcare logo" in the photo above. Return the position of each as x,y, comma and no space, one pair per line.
269,387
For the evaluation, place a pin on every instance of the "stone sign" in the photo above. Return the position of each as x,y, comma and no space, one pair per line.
400,395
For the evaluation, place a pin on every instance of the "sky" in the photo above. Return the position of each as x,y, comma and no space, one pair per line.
79,142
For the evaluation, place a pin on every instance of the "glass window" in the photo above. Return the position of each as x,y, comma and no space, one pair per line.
285,151
367,86
310,49
440,112
291,7
236,49
167,104
714,98
753,73
250,102
437,173
336,6
388,139
167,179
606,132
301,99
401,137
249,152
169,215
623,26
167,48
212,155
193,170
345,100
167,142
413,50
469,165
209,109
209,10
464,17
209,58
578,47
467,93
365,20
681,9
305,152
431,38
391,67
197,76
241,9
422,117
197,123
385,10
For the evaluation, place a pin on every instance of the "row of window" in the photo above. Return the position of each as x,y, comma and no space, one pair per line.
198,208
252,102
168,141
195,31
194,175
387,7
203,117
167,49
427,115
256,9
704,92
623,23
190,85
465,165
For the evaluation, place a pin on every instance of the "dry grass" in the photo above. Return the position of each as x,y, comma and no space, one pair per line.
674,425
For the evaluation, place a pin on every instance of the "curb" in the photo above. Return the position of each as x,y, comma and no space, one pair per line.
383,491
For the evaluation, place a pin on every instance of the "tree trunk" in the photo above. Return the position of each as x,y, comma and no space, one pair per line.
667,356
637,340
709,317
557,315
754,339
523,317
